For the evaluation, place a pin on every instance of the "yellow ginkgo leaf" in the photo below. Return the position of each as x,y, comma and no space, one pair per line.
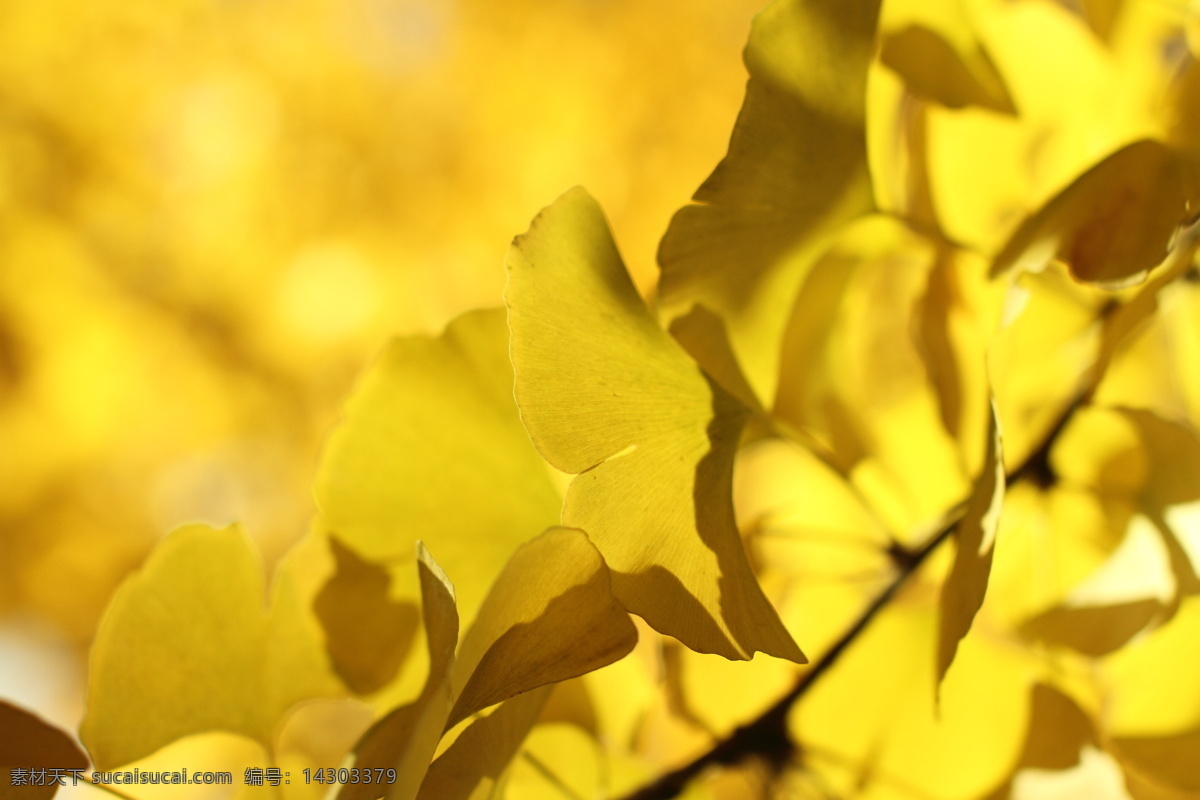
607,395
405,739
932,68
1093,630
1113,224
190,645
28,743
367,634
796,169
550,616
432,448
475,764
975,538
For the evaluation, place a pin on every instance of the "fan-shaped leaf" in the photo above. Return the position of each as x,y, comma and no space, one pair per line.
188,645
607,395
796,169
432,448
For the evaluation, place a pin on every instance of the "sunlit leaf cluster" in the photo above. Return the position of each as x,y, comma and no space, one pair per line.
889,488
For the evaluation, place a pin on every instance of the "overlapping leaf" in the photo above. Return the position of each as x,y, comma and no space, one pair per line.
367,633
189,645
607,395
432,449
935,48
1112,224
551,616
29,743
795,170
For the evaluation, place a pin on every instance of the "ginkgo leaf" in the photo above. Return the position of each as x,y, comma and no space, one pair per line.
432,448
608,396
931,67
28,743
702,334
1112,224
975,538
1101,15
550,616
480,755
406,738
1168,759
1094,630
796,169
1058,731
367,634
189,645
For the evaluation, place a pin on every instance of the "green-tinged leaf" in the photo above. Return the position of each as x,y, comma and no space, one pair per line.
367,634
607,395
550,616
432,448
975,537
1093,630
1113,224
475,764
406,738
796,169
29,743
932,68
189,645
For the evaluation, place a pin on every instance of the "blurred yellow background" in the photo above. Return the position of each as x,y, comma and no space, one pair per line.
213,213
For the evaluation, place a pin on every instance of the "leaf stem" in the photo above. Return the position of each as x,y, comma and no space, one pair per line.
767,736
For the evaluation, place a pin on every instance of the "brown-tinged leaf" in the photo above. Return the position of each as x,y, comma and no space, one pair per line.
1113,224
609,396
27,743
367,634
